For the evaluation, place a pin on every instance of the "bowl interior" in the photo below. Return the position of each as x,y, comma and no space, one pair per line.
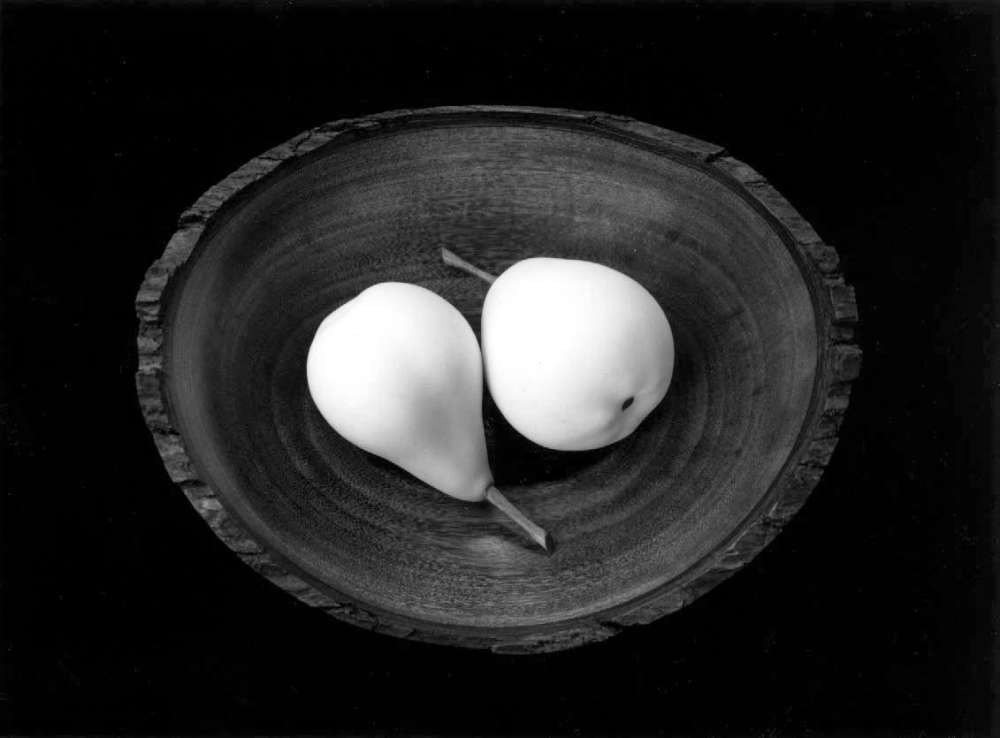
628,518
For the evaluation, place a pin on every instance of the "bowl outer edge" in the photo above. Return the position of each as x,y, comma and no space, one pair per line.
839,363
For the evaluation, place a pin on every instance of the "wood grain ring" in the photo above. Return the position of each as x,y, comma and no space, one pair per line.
837,363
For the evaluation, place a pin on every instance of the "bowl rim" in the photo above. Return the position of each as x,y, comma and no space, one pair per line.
838,365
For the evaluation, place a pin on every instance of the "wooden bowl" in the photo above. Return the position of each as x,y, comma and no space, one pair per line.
763,328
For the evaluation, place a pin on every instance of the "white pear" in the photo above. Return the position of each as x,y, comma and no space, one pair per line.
397,371
577,354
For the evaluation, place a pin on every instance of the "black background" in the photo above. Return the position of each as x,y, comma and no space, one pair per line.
869,615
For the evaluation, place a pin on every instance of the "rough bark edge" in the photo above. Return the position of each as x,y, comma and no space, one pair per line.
840,363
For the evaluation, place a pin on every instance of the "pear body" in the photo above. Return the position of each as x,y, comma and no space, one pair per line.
576,354
397,371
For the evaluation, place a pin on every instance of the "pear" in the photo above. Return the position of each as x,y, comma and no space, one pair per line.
397,371
576,354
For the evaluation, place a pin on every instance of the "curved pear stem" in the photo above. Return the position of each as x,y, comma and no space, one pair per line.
452,259
536,532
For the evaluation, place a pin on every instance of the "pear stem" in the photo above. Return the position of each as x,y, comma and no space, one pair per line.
452,259
536,532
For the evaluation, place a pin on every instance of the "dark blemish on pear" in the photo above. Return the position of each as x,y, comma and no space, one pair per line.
629,401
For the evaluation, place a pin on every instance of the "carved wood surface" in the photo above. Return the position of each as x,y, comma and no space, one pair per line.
762,317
